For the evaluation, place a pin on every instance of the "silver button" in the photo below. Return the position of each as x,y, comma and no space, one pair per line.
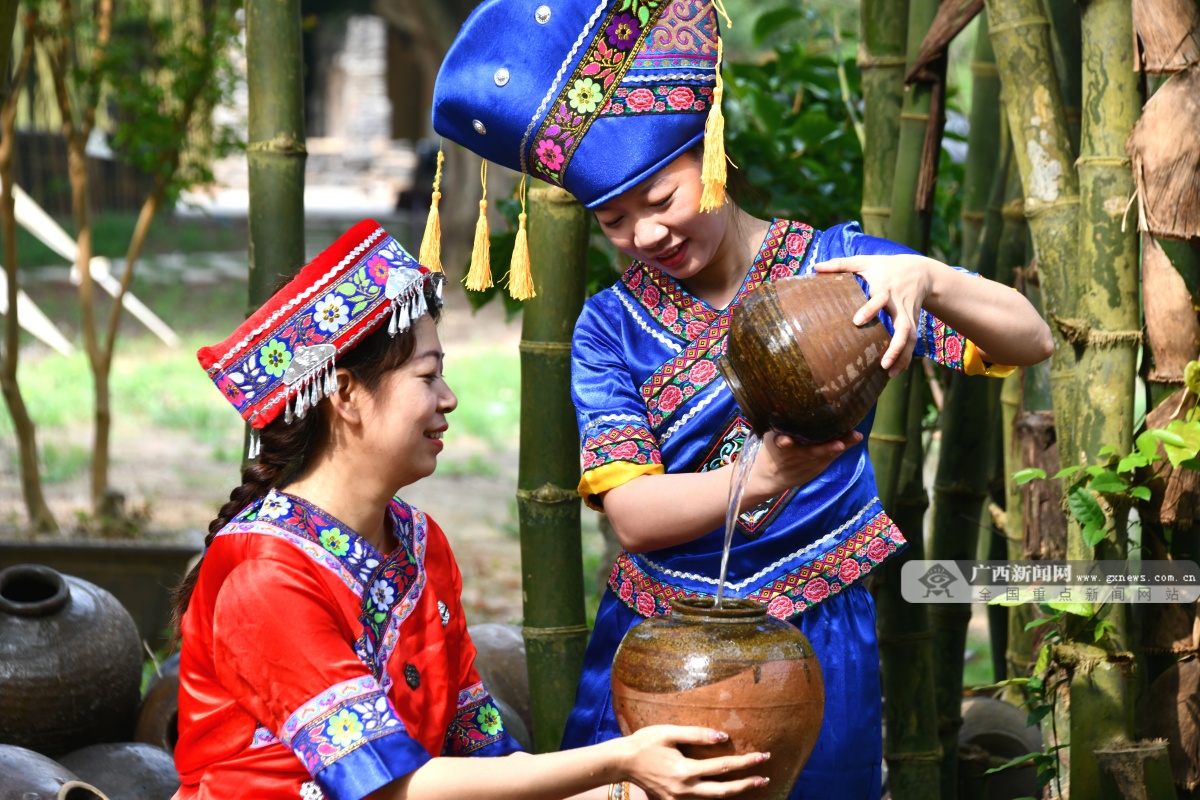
542,15
501,76
480,128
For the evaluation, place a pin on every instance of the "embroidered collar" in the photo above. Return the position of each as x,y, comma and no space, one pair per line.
387,586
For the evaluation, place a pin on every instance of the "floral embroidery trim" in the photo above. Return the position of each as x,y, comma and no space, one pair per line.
339,721
476,723
943,344
679,380
661,99
632,443
725,449
693,411
262,737
798,590
591,85
685,36
616,289
388,587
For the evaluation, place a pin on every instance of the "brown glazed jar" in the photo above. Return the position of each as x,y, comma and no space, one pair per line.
70,662
797,363
735,669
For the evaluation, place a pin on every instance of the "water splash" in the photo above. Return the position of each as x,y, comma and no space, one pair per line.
737,488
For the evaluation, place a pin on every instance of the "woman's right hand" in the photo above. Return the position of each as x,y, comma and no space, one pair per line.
784,463
654,763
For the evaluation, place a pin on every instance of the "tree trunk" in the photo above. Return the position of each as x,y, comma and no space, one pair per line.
275,150
549,505
41,519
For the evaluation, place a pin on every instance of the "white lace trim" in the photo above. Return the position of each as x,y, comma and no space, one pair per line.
558,79
801,553
641,322
720,386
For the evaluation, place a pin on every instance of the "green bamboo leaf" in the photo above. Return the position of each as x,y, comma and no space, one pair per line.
1132,461
1023,476
1147,444
1067,472
1167,437
1016,762
1093,534
1095,470
1186,441
1108,482
1037,623
1084,507
1191,376
1043,659
1140,492
1108,448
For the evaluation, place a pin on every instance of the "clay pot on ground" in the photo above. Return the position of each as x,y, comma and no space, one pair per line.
734,669
797,363
126,771
1002,731
26,775
70,662
501,663
158,717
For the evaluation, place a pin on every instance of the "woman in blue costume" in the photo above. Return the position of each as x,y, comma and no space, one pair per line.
609,100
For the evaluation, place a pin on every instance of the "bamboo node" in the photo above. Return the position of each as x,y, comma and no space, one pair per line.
913,116
867,61
1080,333
876,211
554,632
548,494
915,757
985,69
972,216
1030,21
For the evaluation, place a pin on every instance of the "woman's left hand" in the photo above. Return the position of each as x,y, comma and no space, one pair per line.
899,285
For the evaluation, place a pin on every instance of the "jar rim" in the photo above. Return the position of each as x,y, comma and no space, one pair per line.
733,609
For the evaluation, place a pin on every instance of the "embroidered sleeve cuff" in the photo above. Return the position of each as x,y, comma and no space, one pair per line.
351,740
973,364
477,728
370,767
609,476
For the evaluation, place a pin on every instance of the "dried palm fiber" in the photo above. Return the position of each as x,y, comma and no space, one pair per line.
1169,32
1173,713
1166,158
1171,325
952,17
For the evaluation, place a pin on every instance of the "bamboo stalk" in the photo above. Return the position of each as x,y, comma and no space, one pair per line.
967,434
1067,39
983,143
881,60
275,149
1036,119
549,506
911,744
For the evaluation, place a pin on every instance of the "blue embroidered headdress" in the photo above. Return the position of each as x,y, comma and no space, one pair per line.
590,95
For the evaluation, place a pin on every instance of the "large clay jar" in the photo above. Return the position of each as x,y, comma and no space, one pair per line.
126,771
70,662
158,717
26,775
735,669
797,363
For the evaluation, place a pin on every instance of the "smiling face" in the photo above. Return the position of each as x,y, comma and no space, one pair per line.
659,221
405,417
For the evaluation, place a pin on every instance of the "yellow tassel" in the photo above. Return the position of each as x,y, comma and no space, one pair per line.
520,281
431,242
480,276
713,171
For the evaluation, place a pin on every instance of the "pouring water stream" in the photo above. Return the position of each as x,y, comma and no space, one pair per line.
737,488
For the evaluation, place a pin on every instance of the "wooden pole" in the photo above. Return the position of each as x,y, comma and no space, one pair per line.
549,506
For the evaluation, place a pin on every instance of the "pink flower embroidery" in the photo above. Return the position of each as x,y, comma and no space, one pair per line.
877,550
655,457
651,296
702,372
626,590
681,98
795,244
229,389
896,536
589,458
616,573
670,399
635,281
954,349
816,590
781,607
670,315
640,100
550,154
624,450
645,604
378,269
780,271
849,571
695,328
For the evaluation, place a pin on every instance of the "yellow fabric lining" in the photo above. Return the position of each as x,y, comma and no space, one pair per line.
597,481
973,364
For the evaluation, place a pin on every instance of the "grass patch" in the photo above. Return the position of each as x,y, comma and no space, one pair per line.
59,462
476,466
488,384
